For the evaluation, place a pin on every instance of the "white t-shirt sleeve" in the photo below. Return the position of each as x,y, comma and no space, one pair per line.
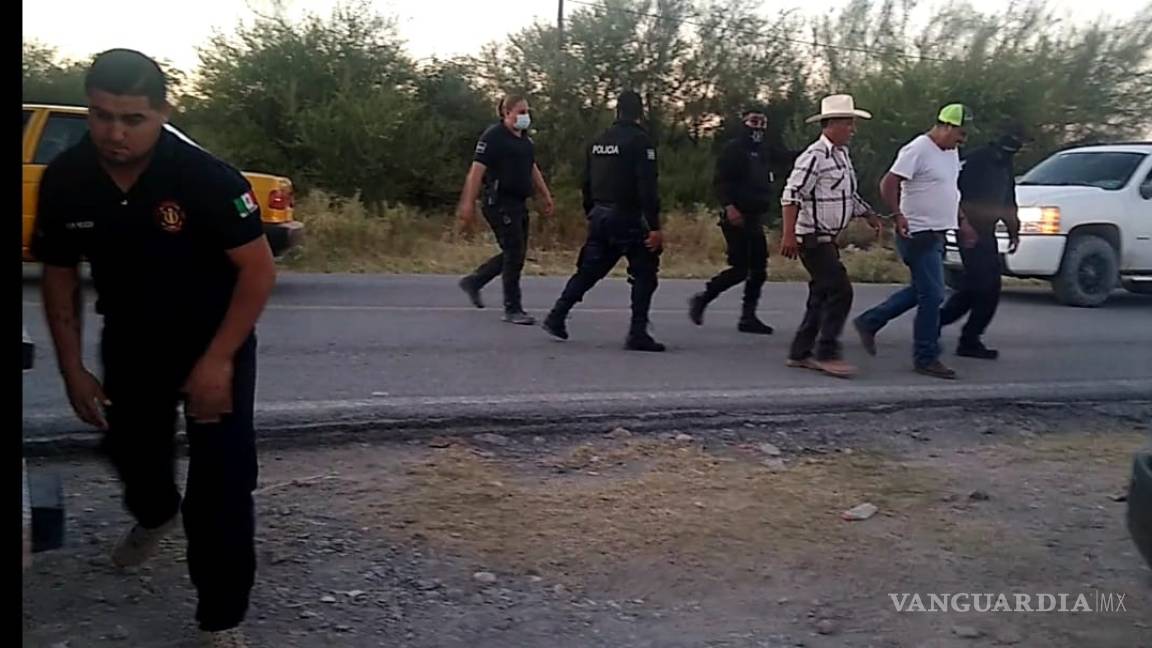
907,160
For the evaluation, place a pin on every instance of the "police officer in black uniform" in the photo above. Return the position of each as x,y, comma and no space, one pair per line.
182,271
987,197
505,167
743,182
623,209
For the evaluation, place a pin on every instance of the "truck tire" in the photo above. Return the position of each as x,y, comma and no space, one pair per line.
1088,274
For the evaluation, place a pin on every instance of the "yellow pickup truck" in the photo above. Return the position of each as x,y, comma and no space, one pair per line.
50,130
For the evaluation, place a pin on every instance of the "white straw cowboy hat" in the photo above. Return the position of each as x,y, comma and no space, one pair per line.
838,107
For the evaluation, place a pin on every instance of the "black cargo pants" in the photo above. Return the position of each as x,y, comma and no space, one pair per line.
613,234
143,379
509,222
747,260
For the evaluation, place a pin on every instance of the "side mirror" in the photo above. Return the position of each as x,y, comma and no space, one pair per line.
1146,190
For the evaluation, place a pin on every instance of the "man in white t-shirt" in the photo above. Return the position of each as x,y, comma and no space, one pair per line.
923,192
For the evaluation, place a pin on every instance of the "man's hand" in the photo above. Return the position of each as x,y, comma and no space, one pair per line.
209,390
967,235
1013,243
735,218
902,226
87,398
789,246
547,206
876,223
465,218
655,241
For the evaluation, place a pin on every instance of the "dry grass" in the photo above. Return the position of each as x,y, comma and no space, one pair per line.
343,235
588,508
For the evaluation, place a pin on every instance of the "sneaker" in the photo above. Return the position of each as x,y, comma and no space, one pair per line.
140,544
696,306
936,370
978,351
642,342
556,327
753,325
233,638
867,338
519,317
472,291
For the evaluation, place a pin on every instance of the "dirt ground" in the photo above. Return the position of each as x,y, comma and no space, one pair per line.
685,538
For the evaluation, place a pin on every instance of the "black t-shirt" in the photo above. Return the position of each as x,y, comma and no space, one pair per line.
158,253
509,160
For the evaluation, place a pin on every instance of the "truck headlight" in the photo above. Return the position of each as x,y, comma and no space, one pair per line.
1039,220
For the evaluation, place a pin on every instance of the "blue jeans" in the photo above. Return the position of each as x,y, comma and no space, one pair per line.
924,256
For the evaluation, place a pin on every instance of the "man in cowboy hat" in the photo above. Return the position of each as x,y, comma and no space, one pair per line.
921,188
987,197
743,182
820,198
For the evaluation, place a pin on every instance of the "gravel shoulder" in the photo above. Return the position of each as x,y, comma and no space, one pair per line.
729,537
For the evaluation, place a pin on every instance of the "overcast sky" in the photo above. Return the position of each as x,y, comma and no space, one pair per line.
444,28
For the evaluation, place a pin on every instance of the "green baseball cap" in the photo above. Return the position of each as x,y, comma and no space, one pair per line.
955,114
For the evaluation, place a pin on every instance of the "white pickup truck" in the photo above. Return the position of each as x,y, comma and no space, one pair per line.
1085,224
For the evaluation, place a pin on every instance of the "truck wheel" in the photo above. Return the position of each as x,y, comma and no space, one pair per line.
953,278
1088,274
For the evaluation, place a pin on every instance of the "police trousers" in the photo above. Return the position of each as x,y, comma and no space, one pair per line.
613,234
979,293
747,261
829,300
509,222
143,381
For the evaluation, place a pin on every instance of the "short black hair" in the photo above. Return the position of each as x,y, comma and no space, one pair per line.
128,72
629,105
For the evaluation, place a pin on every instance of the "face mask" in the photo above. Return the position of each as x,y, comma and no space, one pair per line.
523,121
757,134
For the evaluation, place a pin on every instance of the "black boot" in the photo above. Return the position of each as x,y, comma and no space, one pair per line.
640,340
696,306
468,285
976,350
555,325
749,323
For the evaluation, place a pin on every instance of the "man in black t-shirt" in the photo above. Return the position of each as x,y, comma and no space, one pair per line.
182,271
504,166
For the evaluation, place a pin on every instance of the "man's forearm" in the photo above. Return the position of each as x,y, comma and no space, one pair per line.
890,193
253,288
790,214
63,308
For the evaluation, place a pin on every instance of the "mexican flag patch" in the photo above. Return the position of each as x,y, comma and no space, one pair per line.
246,205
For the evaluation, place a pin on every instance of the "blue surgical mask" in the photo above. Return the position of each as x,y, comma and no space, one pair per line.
523,121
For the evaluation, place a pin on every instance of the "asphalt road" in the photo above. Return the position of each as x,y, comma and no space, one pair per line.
375,347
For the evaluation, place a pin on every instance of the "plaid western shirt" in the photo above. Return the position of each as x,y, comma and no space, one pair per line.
823,184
